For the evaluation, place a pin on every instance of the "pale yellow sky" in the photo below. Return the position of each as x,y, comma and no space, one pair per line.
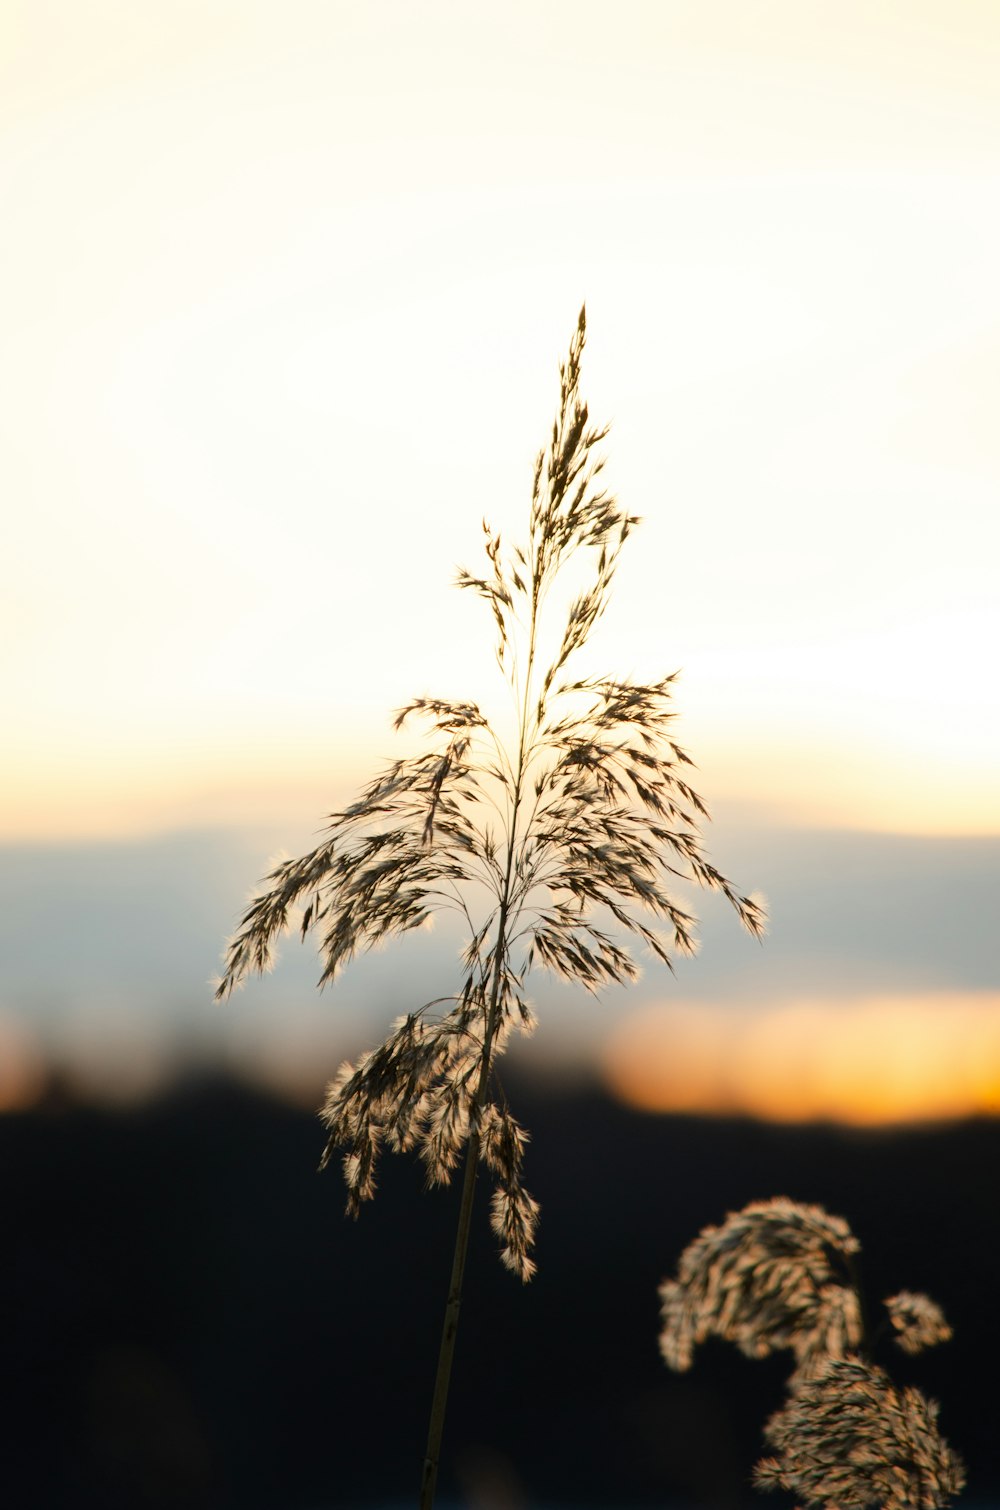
283,291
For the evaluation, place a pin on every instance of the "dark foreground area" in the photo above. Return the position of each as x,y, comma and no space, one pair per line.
188,1320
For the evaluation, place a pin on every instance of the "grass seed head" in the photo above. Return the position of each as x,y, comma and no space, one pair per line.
575,835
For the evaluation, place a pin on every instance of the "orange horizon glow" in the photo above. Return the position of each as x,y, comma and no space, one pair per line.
128,795
879,1061
22,1068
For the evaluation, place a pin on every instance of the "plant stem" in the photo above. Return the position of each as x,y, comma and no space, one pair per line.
439,1405
449,1330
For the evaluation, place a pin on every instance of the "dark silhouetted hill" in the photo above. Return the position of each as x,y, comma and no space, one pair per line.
190,1321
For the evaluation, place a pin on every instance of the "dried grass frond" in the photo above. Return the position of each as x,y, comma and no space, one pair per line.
575,835
513,1212
414,1092
918,1321
771,1277
848,1438
782,1275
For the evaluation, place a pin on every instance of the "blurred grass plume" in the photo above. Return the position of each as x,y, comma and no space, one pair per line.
779,1275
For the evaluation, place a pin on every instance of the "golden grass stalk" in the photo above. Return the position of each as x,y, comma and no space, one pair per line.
575,833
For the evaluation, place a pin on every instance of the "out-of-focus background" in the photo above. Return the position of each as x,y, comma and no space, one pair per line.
284,293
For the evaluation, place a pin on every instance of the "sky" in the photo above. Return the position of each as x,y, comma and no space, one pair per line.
284,290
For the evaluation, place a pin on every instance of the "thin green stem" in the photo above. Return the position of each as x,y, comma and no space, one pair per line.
449,1330
453,1305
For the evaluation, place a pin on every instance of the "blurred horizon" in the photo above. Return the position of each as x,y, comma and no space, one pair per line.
872,1002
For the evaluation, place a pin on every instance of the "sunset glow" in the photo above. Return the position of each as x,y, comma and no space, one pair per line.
307,336
870,1062
22,1068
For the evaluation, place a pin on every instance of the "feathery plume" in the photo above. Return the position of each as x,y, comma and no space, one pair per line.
782,1275
575,834
848,1438
918,1321
774,1275
576,838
